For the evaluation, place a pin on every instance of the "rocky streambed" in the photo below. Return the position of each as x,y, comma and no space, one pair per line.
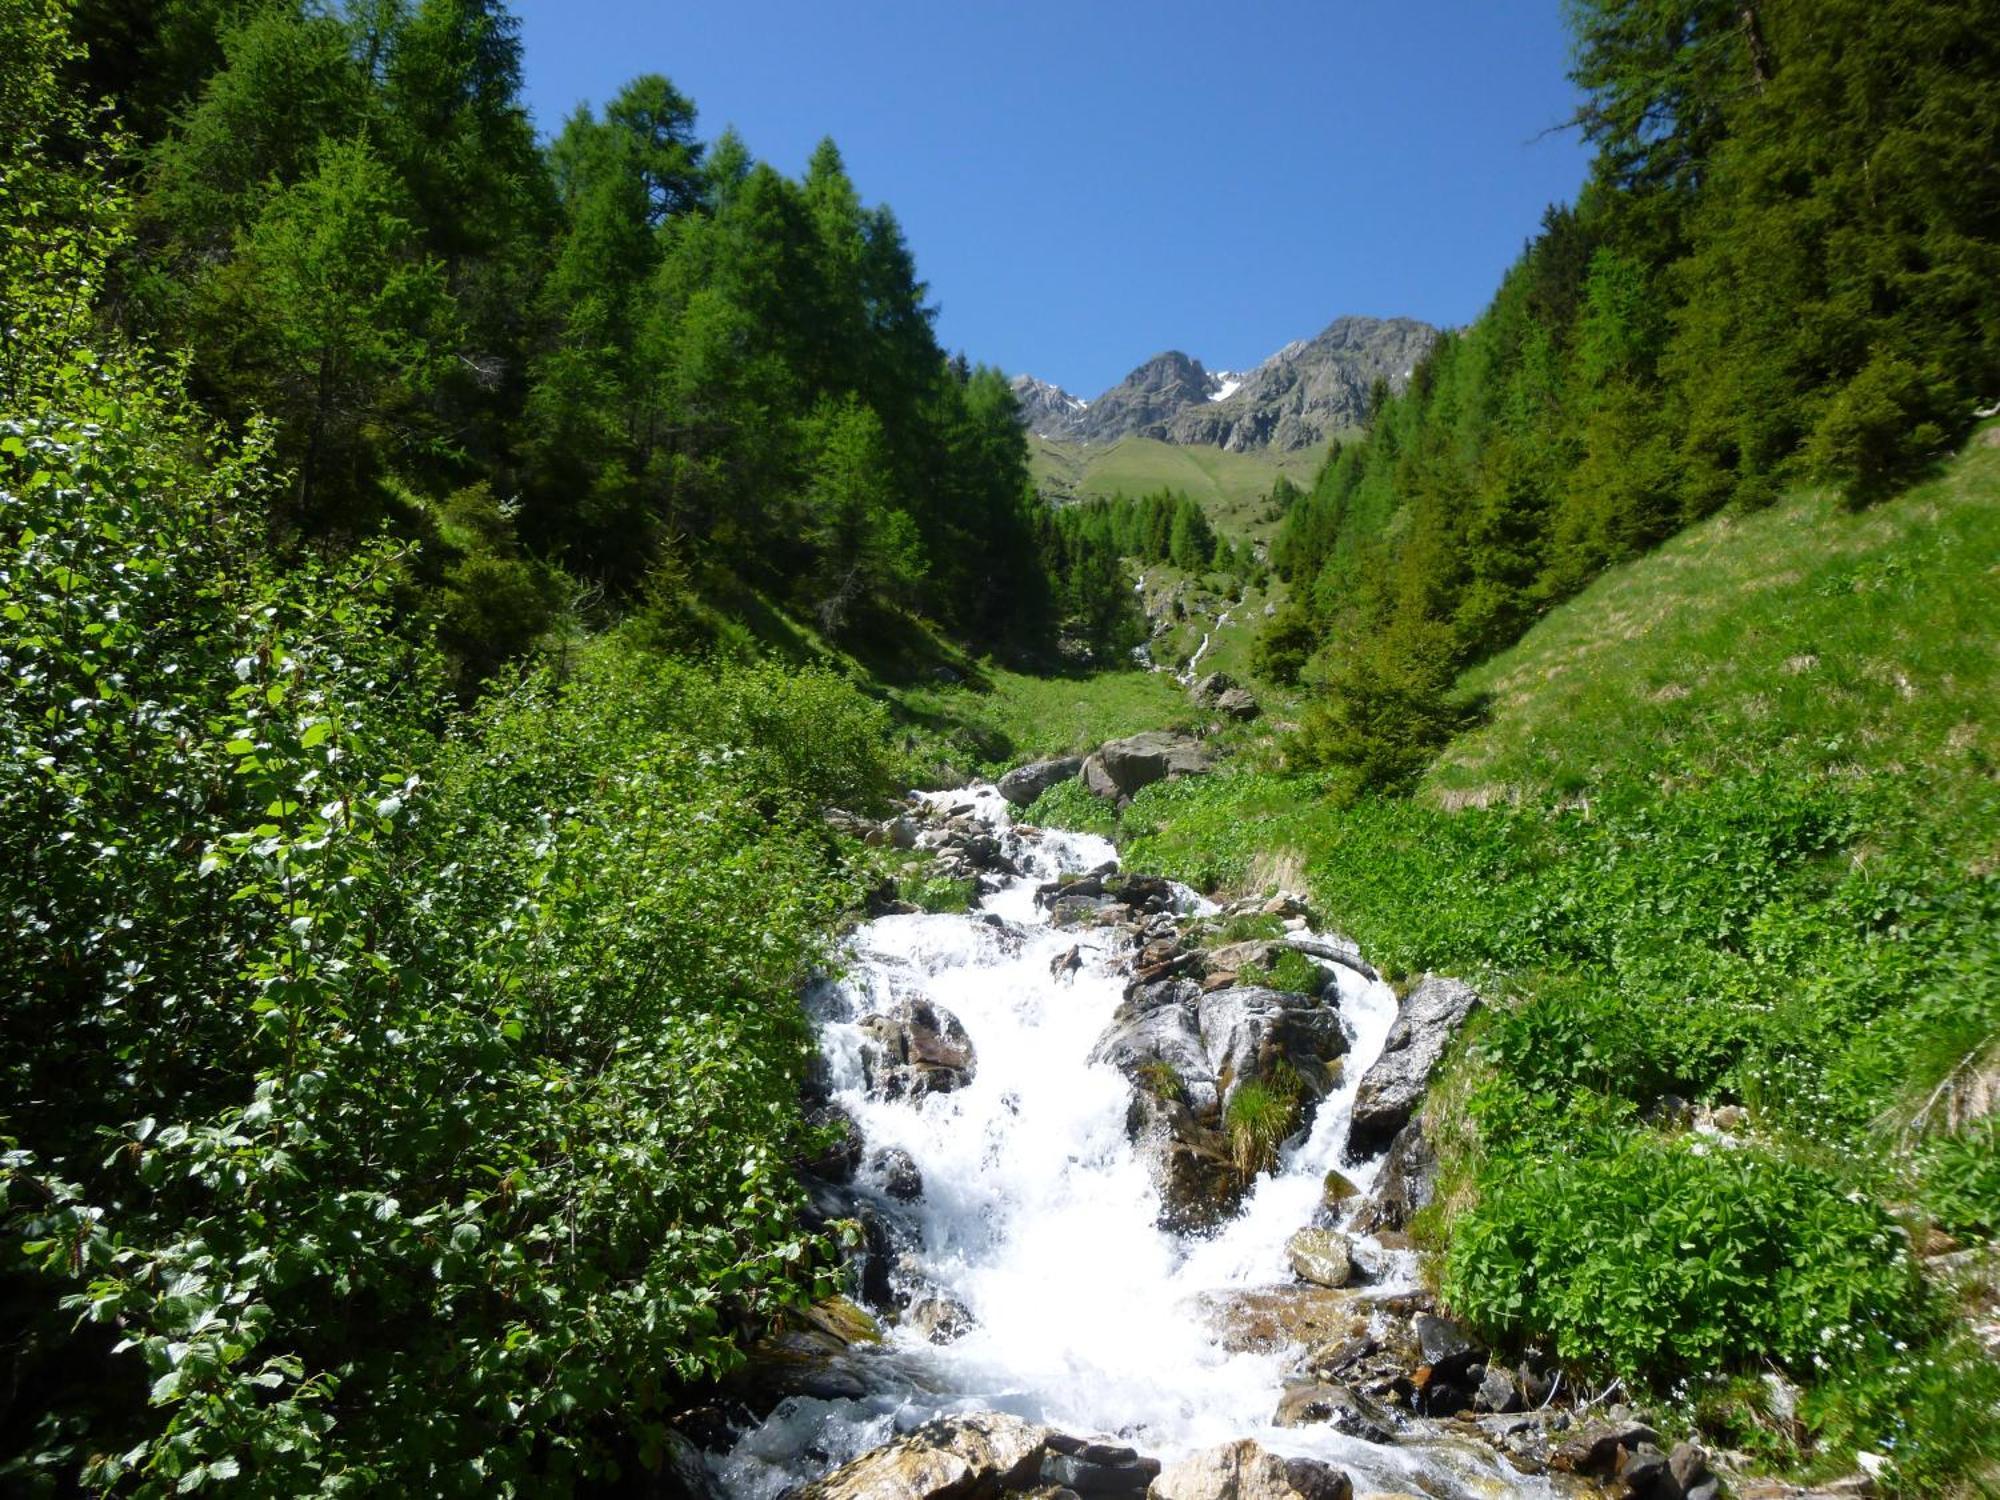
1132,1172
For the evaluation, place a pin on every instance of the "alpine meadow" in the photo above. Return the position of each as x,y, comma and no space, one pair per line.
623,874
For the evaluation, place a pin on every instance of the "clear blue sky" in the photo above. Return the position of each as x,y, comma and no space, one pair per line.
1085,184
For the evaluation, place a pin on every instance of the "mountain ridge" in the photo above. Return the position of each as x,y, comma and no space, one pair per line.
1307,392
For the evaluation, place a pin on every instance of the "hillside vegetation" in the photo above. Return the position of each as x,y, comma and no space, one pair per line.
1233,488
1783,268
1728,837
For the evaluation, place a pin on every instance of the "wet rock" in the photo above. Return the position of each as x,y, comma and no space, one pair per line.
683,1470
916,1047
1407,1183
1394,1086
1336,1188
1155,1040
1269,1319
901,1177
1447,1348
812,1353
1022,785
1087,1468
1200,1182
1599,1448
1065,964
837,1160
1321,1257
1244,1470
1250,1033
939,1317
948,1458
1498,1392
1122,767
1311,1403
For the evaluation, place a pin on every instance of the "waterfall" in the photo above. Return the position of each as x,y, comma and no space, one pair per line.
1038,1217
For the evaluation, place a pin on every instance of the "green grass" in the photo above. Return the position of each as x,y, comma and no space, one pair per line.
1728,834
1861,646
1231,487
998,719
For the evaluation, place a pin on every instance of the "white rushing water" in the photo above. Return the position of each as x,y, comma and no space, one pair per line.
1040,1218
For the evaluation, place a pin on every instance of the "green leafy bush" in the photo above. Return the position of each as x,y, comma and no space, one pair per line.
394,1100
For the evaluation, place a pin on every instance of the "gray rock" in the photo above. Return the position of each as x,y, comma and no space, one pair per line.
1122,767
1321,1257
1498,1392
1210,689
916,1047
1406,1184
1688,1464
940,1318
1446,1348
1238,703
1249,1033
1088,1468
1392,1089
1022,785
1160,1039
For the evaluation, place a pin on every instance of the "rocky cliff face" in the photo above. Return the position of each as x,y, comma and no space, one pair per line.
1299,397
1046,409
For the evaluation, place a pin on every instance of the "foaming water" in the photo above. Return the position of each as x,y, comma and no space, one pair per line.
1039,1218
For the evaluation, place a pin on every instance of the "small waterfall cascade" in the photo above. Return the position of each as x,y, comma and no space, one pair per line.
1037,1223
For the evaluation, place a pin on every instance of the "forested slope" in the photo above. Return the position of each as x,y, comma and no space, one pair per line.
1786,264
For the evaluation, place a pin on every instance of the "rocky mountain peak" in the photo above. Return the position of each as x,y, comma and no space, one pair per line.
1304,394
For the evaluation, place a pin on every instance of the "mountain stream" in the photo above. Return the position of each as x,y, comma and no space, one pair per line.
1039,1219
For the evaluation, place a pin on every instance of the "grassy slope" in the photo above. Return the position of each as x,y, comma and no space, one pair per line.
1728,833
1231,487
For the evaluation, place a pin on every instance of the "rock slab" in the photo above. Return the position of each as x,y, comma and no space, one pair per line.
1392,1089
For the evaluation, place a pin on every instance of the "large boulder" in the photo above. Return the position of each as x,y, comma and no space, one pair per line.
1392,1089
1022,785
1244,1470
1237,703
1252,1033
916,1048
1209,690
1121,767
978,1454
1155,1040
